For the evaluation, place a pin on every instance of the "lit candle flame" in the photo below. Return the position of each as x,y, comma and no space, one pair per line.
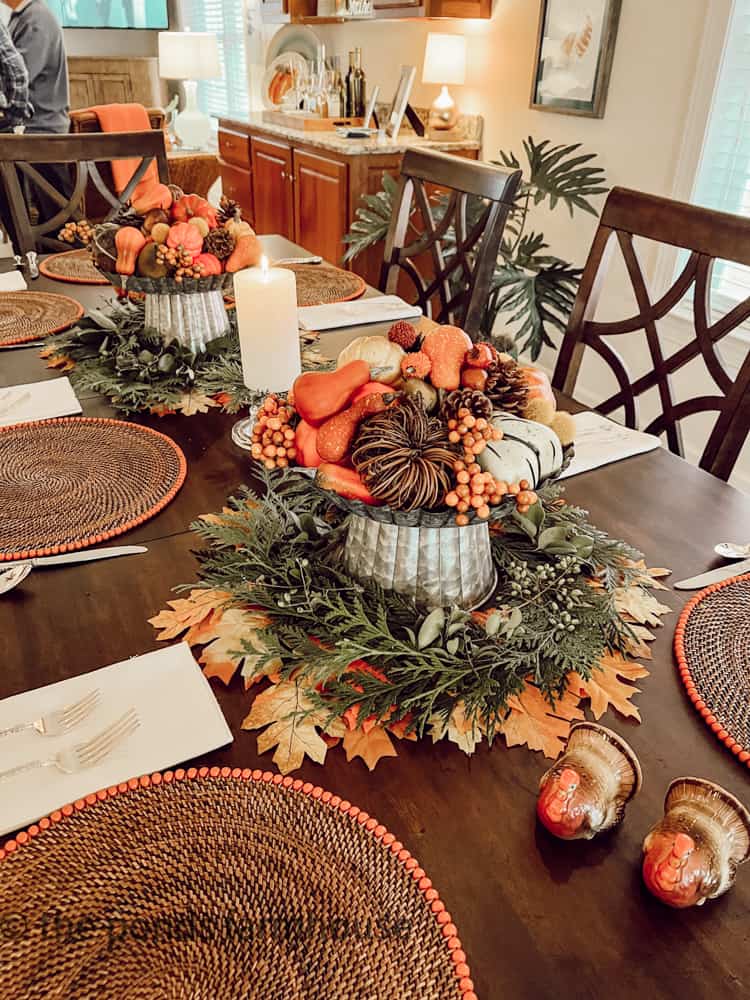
264,267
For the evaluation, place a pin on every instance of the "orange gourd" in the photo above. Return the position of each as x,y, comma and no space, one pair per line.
247,253
446,348
538,383
337,433
370,387
319,395
346,482
149,197
305,441
187,237
129,242
211,265
192,205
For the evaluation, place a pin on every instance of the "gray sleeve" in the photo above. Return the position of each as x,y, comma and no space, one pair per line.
35,49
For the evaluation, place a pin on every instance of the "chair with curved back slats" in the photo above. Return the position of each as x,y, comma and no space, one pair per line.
20,153
462,266
708,236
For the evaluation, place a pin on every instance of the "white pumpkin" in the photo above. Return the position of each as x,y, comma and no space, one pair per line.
528,450
382,355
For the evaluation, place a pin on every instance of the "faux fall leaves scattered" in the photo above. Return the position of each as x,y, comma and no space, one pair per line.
295,726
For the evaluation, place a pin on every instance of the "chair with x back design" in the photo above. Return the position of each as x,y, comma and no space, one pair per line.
462,245
20,153
708,236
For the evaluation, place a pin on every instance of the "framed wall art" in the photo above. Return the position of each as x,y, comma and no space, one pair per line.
575,49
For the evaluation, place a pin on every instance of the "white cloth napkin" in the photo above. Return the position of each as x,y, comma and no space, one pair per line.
12,281
38,401
600,441
179,719
379,309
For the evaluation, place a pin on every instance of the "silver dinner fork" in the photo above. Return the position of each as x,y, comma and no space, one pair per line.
84,755
61,720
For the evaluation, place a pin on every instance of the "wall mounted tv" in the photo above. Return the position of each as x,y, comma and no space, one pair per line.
111,13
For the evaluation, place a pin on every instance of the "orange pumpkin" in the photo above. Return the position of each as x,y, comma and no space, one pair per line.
211,264
191,206
306,443
187,237
150,196
129,242
538,383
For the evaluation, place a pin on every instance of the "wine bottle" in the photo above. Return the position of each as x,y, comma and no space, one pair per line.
358,87
349,85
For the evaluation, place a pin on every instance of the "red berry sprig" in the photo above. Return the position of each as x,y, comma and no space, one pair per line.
273,434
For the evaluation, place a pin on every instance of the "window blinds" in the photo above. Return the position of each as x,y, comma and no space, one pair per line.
723,181
226,19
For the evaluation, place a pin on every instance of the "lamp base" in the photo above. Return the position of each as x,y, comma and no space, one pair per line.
192,127
443,113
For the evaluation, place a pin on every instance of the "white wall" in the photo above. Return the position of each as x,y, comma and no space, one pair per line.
103,42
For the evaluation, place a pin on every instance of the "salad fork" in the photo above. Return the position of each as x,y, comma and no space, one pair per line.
61,720
84,755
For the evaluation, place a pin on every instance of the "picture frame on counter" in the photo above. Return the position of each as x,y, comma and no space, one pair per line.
400,100
574,56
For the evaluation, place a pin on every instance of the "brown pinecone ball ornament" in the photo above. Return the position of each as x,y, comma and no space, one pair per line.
404,457
228,209
473,400
404,334
220,243
506,387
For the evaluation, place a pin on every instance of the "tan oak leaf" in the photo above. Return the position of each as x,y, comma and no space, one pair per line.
607,687
187,612
224,654
535,723
637,645
371,746
464,732
288,712
194,402
637,605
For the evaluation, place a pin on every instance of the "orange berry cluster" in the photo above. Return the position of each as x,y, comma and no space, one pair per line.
472,433
77,232
273,434
194,270
173,258
479,491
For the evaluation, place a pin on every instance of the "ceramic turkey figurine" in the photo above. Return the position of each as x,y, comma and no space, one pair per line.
587,789
693,853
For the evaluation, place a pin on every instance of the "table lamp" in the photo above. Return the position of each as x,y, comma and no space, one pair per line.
190,56
444,63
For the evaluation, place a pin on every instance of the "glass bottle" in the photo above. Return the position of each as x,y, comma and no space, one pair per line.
349,88
358,88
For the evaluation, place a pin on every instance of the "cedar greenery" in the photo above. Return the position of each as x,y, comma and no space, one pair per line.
281,552
532,288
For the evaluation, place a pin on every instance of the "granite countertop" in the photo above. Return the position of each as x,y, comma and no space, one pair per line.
406,139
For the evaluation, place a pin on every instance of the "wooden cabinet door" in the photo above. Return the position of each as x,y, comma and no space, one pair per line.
272,187
321,195
237,184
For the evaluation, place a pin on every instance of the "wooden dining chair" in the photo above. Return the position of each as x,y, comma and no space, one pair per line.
707,236
20,153
459,249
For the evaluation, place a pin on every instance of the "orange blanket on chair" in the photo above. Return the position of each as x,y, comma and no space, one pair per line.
126,118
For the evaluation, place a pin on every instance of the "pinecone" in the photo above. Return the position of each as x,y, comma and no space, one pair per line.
220,243
228,209
475,401
506,387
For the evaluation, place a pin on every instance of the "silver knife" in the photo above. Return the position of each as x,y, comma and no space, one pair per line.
714,576
89,555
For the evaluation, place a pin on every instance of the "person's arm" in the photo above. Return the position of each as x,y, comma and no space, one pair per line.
29,40
15,80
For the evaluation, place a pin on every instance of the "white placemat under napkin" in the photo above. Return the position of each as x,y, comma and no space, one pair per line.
179,719
600,441
38,401
12,281
378,309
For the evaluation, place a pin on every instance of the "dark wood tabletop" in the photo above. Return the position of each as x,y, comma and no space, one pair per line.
538,918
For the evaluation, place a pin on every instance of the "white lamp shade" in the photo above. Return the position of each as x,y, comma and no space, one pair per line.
444,59
188,55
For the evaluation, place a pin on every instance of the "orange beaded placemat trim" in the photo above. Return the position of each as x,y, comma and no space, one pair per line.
72,482
713,657
28,315
248,844
74,266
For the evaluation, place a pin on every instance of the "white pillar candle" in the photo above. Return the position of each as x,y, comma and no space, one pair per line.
267,325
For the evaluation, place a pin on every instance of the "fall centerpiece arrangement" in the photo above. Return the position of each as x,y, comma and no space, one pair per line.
411,485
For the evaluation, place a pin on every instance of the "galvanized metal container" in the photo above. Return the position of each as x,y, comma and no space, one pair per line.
437,567
193,320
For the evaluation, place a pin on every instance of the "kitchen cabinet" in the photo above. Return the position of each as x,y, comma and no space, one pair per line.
320,204
272,179
304,11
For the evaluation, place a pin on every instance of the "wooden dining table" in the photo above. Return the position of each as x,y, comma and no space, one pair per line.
538,918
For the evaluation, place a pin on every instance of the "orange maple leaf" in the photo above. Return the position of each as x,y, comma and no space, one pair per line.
371,746
535,723
187,612
605,688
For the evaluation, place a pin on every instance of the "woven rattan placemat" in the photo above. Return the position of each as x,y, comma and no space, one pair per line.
319,284
72,482
221,885
74,266
712,646
26,316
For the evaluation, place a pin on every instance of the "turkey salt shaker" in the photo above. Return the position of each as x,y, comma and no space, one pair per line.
692,854
586,790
